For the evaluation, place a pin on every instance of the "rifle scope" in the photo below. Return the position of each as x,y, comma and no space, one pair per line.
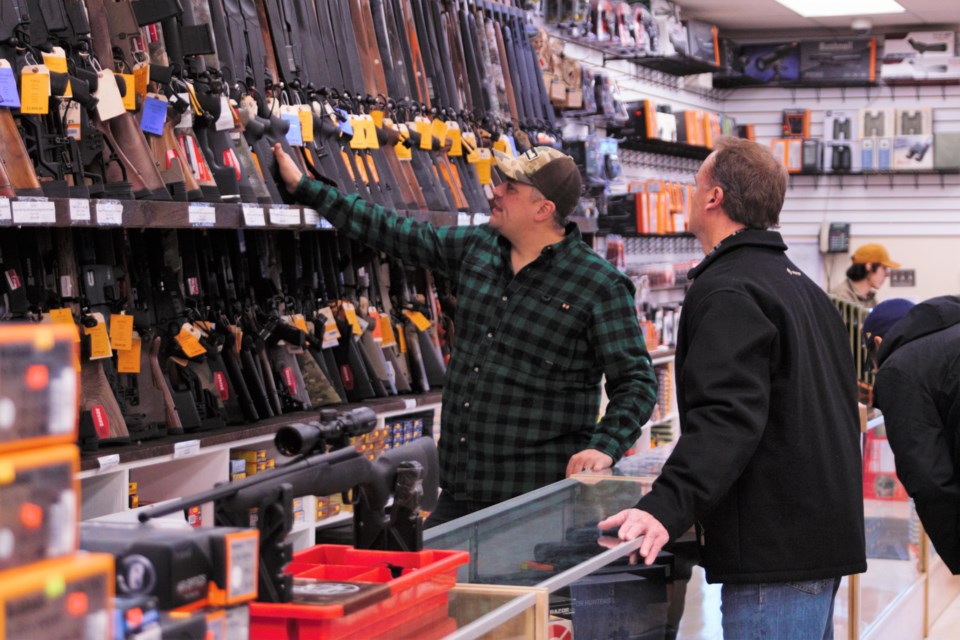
304,438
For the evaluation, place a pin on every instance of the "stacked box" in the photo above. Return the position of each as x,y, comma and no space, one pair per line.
47,589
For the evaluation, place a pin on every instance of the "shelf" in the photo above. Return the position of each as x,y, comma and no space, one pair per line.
680,149
679,65
166,447
746,82
662,355
146,214
666,420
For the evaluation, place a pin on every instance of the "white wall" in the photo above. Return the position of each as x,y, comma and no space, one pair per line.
916,217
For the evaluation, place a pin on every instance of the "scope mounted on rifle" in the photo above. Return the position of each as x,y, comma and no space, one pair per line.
306,438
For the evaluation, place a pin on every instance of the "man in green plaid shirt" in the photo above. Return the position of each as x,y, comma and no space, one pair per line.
540,320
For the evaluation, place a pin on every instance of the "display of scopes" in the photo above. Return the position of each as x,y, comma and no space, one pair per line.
302,438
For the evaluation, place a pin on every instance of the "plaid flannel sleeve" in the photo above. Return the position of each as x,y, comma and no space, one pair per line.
631,383
415,243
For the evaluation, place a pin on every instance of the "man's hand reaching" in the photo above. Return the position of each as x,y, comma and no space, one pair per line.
289,171
588,460
634,523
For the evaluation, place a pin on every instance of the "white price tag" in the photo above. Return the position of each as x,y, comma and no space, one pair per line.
480,218
186,448
253,216
34,211
311,217
108,461
109,212
5,210
79,210
202,215
463,220
284,216
409,403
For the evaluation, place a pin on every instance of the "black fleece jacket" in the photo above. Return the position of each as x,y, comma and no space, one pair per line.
768,463
918,390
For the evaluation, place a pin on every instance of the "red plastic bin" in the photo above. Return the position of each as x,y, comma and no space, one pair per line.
420,591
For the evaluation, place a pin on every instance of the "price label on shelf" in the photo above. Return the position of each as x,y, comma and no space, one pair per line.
109,212
202,215
34,211
284,216
5,211
106,462
253,216
311,218
79,210
186,449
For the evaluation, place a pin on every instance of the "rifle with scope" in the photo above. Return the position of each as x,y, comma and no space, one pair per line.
324,463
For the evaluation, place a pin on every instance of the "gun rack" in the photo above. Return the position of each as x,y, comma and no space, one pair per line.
140,451
146,214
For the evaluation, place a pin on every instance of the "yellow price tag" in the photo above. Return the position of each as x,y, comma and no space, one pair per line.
350,311
438,129
7,472
484,166
402,341
35,90
130,97
500,144
189,343
403,151
422,126
377,116
419,320
305,114
128,360
386,332
456,142
56,62
121,332
370,131
99,341
141,78
300,322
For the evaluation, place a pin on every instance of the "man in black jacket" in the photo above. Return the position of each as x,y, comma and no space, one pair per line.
768,465
918,390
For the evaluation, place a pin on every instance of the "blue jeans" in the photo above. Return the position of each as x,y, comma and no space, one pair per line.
779,610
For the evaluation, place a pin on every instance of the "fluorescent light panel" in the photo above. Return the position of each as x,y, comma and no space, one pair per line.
826,8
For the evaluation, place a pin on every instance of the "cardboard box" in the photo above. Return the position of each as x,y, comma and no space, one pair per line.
916,44
796,123
911,153
840,60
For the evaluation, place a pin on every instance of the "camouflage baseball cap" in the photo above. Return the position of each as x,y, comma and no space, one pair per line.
552,172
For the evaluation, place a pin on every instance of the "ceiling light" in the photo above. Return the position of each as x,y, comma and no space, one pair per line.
826,8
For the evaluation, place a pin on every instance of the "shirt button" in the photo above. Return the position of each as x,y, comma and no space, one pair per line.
490,334
466,405
476,369
463,438
504,298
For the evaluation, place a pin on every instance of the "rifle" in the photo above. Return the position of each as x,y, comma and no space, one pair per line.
315,472
17,166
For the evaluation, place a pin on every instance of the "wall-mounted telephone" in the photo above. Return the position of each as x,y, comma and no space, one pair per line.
834,237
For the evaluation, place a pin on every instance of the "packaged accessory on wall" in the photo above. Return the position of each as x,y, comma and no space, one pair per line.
812,156
839,60
911,153
703,42
840,125
946,151
913,122
876,123
796,123
928,44
772,62
868,154
884,146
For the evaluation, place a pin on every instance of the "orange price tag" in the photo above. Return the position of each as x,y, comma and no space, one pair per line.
418,319
128,360
121,332
99,341
189,343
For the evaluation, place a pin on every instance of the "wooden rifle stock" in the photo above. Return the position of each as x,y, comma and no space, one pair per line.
16,161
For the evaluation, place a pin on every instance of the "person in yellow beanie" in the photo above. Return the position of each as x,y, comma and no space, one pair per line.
870,268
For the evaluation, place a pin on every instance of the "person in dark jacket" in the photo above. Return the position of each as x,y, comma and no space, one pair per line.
768,463
918,390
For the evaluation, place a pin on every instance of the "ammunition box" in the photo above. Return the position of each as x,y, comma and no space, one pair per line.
62,598
40,385
40,497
